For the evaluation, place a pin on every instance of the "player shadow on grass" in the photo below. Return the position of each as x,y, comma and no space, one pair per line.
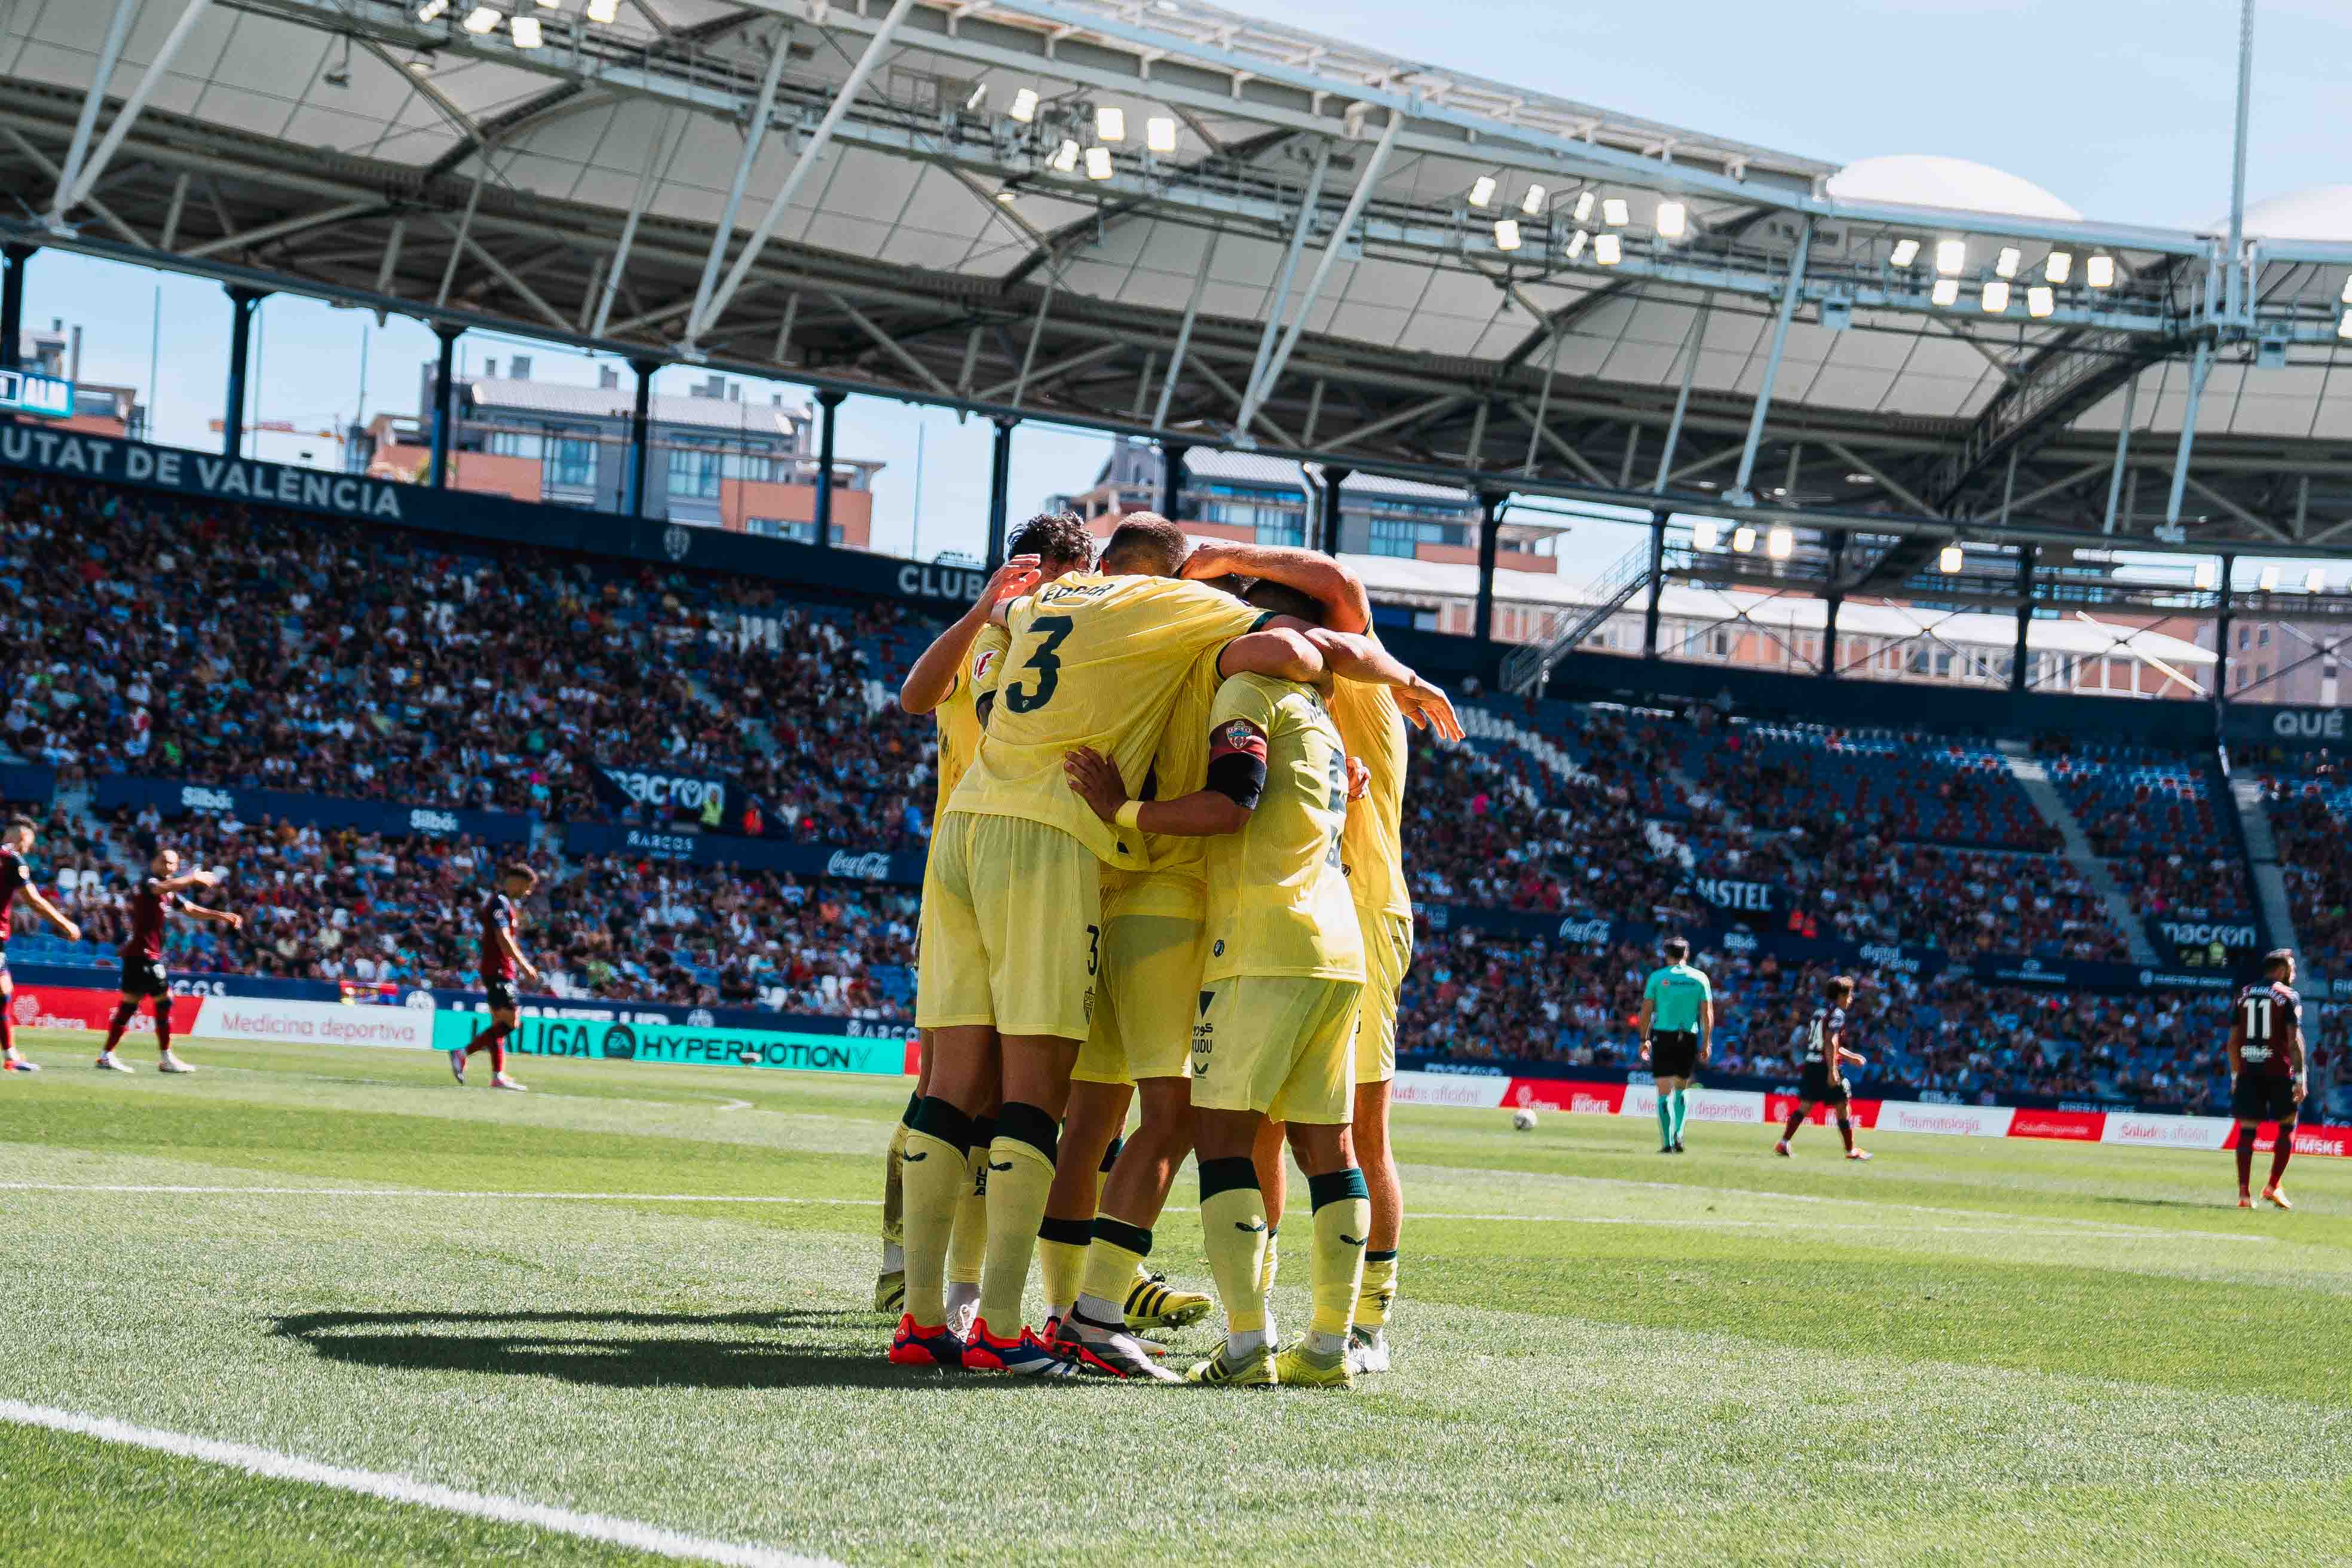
791,1349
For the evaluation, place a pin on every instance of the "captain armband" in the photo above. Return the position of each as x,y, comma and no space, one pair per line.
1237,763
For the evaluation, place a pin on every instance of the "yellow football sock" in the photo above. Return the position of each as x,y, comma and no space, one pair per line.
1020,1178
894,1190
1378,1293
1272,1267
1114,1261
970,1247
935,1183
1062,1261
1232,1224
1343,1217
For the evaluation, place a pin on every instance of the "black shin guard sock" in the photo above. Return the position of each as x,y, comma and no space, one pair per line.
934,1117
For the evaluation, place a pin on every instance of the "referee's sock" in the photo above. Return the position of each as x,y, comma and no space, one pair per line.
1681,1112
1665,1119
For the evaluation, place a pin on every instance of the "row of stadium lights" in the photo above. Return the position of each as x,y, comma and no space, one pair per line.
1672,220
524,27
1781,542
1110,131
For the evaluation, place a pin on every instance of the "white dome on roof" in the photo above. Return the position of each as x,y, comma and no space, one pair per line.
1923,180
2316,212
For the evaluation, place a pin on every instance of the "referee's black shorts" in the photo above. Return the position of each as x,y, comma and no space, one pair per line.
1674,1053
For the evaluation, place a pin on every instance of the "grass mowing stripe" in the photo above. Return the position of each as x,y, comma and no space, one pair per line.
275,1466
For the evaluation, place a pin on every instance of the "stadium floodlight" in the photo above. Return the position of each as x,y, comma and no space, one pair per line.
1160,134
1947,291
1743,539
1110,122
1532,203
2203,578
2004,265
1950,558
1507,234
1584,205
1704,533
1576,244
2268,581
1025,106
1615,211
979,96
1065,157
1674,220
485,20
2059,267
1606,250
1781,543
431,10
1098,163
1996,296
1951,255
2099,272
1906,252
2040,299
2314,581
605,12
525,32
1482,190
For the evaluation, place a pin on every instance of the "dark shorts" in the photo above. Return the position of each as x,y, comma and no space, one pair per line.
145,977
1674,1053
1817,1088
502,993
2263,1097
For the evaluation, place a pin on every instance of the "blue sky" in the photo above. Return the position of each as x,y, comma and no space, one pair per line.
2123,112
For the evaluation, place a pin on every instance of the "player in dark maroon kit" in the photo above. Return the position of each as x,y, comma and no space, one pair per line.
151,903
2266,1071
501,957
15,881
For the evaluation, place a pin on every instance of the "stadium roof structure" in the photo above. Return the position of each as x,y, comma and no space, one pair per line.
1165,217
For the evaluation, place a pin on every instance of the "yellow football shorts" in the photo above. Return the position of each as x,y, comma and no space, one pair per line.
1145,999
1388,956
1280,1044
1011,928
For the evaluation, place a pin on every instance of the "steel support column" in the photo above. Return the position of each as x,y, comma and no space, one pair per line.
1833,603
641,439
1739,492
2198,374
2221,635
827,403
2122,453
2026,554
1171,478
241,303
1332,479
1490,528
444,407
1000,487
1657,584
12,262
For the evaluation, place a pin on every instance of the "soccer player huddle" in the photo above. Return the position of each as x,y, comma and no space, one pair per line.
1166,869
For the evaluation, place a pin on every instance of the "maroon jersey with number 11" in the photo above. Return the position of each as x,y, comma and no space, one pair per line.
2266,1016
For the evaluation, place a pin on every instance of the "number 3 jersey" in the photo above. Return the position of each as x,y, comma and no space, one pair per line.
2267,1014
1278,902
1093,661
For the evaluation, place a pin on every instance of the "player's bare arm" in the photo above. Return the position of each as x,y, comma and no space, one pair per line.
1283,652
1359,779
1204,814
2295,1059
514,950
49,912
1353,656
1648,1008
933,677
228,918
186,879
1706,1032
1345,606
2237,1050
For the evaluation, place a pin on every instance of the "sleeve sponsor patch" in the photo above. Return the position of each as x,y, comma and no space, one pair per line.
1237,735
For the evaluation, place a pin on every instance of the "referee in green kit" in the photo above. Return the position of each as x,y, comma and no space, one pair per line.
1677,1020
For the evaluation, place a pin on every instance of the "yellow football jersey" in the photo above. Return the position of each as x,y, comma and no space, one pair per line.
1177,883
958,714
1277,901
1371,851
1093,661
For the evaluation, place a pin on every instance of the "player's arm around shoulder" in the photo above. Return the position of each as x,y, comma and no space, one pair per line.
937,668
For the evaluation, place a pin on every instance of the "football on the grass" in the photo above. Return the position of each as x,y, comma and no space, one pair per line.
1522,1120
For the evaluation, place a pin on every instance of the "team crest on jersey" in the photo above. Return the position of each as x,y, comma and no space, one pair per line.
1237,735
984,662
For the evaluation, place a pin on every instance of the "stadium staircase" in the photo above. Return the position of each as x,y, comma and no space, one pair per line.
1526,668
1480,725
2035,779
2262,860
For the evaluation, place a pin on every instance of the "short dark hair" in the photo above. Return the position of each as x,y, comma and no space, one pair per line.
1678,949
517,869
1282,599
1146,542
1841,988
21,820
1057,539
2278,958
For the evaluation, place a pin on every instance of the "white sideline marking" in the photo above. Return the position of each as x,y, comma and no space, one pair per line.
2110,1234
396,1489
737,1105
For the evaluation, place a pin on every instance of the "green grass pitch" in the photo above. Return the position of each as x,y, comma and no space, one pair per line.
1963,1351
